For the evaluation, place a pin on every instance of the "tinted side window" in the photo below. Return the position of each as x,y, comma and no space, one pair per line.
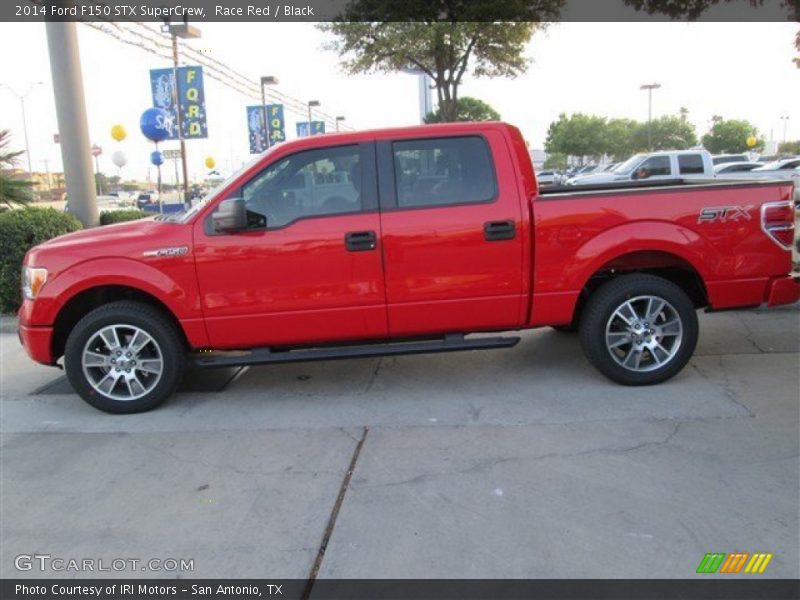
307,184
690,163
656,165
438,172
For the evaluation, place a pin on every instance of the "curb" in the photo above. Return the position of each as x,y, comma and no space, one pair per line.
8,324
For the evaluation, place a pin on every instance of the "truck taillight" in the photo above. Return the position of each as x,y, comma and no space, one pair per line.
777,221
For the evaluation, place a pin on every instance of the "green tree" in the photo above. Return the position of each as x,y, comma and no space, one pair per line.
469,109
577,135
442,38
100,183
621,138
730,137
668,132
556,161
792,147
14,190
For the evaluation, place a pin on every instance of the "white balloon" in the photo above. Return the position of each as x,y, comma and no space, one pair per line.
119,158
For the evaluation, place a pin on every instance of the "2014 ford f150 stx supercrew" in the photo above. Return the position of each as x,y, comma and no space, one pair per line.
401,241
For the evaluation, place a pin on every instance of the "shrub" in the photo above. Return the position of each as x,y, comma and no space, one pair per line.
21,230
120,216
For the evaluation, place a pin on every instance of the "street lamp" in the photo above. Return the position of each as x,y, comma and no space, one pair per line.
650,87
21,98
311,104
339,120
785,120
186,32
265,81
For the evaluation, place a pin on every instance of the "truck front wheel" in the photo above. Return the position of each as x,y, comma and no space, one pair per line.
124,357
639,329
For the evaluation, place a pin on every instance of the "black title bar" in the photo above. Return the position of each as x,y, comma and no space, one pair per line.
711,588
200,11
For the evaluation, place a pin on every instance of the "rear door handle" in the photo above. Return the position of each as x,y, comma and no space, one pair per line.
496,231
360,241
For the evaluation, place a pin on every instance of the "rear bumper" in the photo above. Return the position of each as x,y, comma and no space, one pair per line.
785,290
37,342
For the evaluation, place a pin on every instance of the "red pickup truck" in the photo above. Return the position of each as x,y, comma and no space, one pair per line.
402,241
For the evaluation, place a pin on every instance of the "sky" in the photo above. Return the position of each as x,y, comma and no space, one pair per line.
736,70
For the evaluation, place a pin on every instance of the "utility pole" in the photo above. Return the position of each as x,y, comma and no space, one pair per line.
21,98
265,81
785,120
311,104
185,31
65,66
650,87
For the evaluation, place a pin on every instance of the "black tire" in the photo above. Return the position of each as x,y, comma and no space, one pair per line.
151,321
603,303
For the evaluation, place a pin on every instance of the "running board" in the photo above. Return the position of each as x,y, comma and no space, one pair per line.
265,356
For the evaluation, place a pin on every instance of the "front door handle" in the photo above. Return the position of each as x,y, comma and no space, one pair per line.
360,241
496,231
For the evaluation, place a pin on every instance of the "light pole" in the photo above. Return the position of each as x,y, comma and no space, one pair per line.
650,87
311,104
265,81
184,31
339,119
785,120
21,98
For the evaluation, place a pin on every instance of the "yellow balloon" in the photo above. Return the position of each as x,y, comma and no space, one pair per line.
751,141
118,133
210,162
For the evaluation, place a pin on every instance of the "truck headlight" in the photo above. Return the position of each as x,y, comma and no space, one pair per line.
33,278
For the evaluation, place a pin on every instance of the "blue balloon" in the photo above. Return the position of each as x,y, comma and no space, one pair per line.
157,158
156,124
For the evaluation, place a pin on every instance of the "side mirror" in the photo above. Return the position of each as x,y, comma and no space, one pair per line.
230,216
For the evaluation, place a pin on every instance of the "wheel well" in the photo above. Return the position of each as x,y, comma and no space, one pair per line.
661,264
83,303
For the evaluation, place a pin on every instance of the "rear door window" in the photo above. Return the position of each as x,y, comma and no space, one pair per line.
690,164
443,171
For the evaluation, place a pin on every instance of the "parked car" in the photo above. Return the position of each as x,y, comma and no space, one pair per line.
145,199
785,169
735,167
675,164
401,241
721,159
548,177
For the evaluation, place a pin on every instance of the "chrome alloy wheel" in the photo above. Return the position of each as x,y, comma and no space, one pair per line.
644,333
122,362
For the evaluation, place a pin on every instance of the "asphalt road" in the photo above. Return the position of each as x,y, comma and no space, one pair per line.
504,463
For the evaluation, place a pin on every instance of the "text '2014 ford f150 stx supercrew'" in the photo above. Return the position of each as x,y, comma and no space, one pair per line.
401,241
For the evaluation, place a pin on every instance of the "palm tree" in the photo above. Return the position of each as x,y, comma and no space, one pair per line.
13,190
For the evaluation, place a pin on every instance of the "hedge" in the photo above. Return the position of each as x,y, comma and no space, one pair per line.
21,230
120,216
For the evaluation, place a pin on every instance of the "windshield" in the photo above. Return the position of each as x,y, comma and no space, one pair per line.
216,190
627,167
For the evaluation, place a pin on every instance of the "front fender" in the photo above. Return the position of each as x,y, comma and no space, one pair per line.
173,284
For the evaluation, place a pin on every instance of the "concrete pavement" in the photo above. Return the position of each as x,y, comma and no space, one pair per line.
508,463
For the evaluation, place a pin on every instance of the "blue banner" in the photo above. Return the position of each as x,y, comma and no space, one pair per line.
317,127
191,95
255,129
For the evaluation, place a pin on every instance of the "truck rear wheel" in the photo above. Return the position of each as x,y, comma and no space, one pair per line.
124,357
639,329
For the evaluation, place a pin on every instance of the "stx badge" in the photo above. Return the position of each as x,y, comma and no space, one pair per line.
724,214
175,251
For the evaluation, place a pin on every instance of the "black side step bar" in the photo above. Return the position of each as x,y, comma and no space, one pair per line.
265,356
